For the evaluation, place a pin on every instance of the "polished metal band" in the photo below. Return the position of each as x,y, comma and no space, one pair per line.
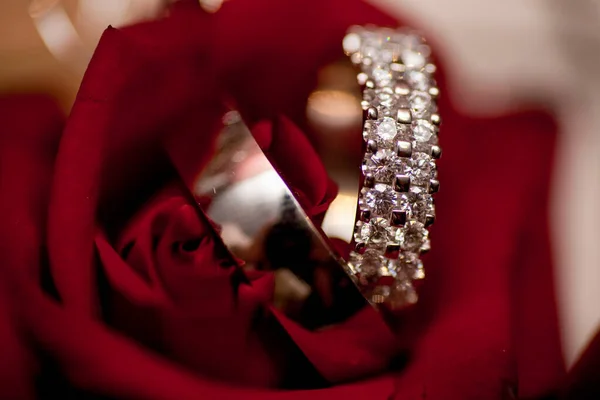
400,131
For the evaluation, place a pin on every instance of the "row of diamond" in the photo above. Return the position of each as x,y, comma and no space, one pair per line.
401,134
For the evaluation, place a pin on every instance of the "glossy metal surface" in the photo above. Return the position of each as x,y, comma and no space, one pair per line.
262,224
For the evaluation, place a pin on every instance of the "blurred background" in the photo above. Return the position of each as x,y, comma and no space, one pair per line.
499,56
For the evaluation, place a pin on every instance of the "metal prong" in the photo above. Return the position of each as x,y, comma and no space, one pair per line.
404,116
402,89
430,68
434,186
369,181
404,149
365,215
392,250
434,92
397,67
371,146
436,152
436,119
360,248
429,220
402,183
398,218
370,84
372,113
362,78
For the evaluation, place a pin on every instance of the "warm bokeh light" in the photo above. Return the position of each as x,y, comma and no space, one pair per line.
334,109
56,30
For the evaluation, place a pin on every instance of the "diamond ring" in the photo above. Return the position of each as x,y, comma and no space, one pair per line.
399,176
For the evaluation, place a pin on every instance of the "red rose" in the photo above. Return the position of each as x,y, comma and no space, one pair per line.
485,326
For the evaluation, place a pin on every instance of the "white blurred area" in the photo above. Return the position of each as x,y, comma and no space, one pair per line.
499,55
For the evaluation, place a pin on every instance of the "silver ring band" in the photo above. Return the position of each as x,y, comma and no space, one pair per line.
400,131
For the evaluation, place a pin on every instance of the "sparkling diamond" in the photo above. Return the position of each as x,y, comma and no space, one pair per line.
371,132
385,111
371,44
389,102
421,204
385,164
423,169
392,267
385,51
381,76
377,232
403,132
413,59
402,203
388,268
385,100
377,47
411,236
386,96
402,294
369,264
381,199
425,147
407,266
418,80
378,97
411,265
419,274
386,55
386,129
423,131
420,104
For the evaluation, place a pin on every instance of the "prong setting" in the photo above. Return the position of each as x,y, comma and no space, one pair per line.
365,215
402,183
404,149
402,89
434,92
372,113
404,116
398,218
371,146
436,152
429,220
392,250
399,171
360,248
369,181
434,186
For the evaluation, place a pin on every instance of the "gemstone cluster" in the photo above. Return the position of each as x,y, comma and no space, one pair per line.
399,171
